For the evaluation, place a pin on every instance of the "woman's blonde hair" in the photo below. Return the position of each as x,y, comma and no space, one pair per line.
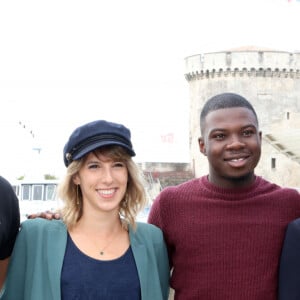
134,199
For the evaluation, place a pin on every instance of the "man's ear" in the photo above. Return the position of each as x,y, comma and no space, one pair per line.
202,145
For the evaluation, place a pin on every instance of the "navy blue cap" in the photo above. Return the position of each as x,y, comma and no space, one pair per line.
93,135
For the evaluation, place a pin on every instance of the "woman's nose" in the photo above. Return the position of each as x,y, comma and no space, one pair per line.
107,175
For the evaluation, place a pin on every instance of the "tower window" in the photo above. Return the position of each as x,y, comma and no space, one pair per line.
273,163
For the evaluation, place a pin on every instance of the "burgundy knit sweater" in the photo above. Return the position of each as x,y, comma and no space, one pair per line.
224,244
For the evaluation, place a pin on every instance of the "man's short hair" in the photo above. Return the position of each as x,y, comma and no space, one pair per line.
224,100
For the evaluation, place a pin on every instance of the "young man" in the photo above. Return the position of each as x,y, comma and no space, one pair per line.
9,224
224,231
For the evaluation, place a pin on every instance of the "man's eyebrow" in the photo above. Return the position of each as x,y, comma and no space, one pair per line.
212,131
217,129
250,125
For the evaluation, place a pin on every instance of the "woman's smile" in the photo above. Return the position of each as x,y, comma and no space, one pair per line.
107,193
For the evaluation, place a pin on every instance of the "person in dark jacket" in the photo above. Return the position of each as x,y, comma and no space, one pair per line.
9,224
289,270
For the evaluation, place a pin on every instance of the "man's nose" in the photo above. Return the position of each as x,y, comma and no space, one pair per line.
235,142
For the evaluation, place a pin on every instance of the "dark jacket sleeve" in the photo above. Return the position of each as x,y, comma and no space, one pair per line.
289,271
9,218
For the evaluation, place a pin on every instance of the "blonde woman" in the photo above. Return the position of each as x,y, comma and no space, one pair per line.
96,250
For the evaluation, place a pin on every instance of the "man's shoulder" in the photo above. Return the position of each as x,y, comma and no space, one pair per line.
293,192
185,186
289,192
6,190
4,182
294,227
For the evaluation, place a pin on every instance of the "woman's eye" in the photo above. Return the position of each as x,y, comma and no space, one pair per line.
119,165
93,166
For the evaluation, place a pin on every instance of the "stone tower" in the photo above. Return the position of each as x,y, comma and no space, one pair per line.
270,80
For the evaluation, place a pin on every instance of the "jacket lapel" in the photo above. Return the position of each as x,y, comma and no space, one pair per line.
141,260
57,241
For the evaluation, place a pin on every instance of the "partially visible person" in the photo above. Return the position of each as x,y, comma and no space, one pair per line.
97,250
224,231
289,271
9,224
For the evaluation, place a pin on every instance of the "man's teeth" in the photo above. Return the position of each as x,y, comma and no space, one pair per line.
237,159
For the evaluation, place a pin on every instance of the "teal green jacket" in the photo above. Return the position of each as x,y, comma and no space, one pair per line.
35,267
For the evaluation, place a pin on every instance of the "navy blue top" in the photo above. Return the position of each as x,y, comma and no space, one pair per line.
86,278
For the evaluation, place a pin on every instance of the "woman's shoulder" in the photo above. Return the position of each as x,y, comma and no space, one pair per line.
148,230
143,226
39,234
42,225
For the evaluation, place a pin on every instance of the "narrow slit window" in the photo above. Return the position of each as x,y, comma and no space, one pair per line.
273,163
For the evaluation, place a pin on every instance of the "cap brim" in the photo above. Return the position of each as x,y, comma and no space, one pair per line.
98,144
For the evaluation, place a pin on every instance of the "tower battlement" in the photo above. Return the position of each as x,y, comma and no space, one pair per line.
243,63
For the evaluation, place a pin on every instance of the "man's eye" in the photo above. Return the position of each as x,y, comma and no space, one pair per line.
219,136
248,132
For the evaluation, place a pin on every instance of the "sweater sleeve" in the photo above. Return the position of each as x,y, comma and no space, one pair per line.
154,215
162,263
159,216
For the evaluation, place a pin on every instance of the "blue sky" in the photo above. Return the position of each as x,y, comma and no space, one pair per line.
64,63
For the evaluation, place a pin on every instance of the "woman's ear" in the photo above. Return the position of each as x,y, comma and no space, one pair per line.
202,145
76,179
